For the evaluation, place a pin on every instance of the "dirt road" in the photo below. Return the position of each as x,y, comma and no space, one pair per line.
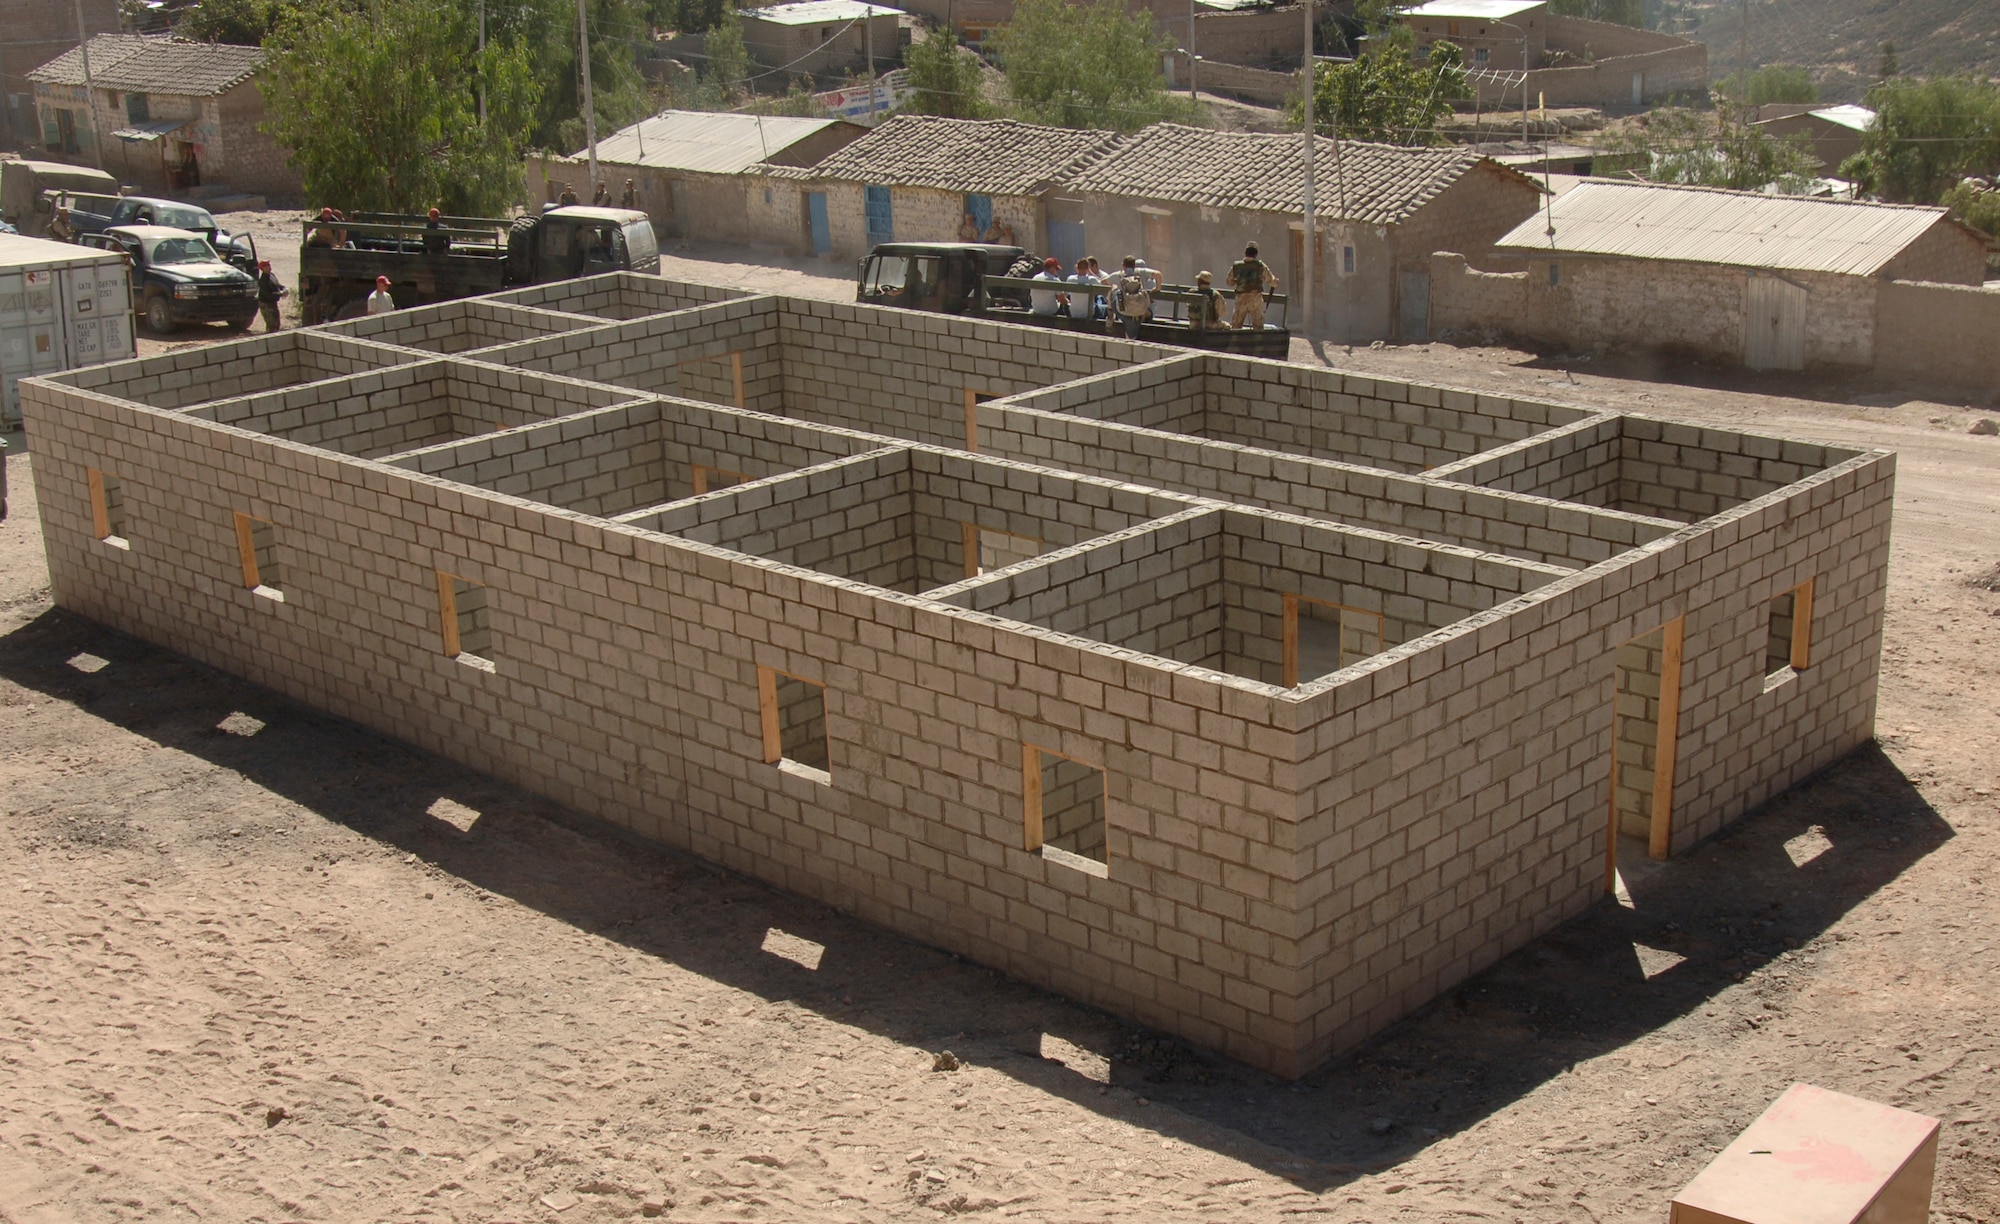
263,966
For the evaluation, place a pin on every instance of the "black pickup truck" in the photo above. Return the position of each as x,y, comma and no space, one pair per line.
973,278
177,277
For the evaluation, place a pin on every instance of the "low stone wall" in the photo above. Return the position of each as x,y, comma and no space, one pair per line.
1939,333
1628,68
1262,86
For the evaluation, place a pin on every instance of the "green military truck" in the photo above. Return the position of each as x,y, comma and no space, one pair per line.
463,256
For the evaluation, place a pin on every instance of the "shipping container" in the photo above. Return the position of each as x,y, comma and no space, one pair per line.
61,307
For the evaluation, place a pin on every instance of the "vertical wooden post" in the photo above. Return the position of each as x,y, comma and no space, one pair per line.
1802,612
1667,739
767,711
971,419
246,550
1031,797
698,474
100,510
969,534
448,613
1289,666
736,373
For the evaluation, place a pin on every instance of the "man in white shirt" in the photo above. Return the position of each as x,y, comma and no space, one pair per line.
379,302
1083,304
1048,301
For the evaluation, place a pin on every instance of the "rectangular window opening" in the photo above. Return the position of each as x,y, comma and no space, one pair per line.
793,713
988,548
256,547
1063,807
466,616
107,508
1555,274
709,479
1347,260
1320,638
1788,636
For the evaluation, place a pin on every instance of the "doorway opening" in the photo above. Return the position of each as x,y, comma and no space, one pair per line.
1645,730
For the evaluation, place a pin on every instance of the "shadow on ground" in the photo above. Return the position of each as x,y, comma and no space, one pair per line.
1843,386
1730,907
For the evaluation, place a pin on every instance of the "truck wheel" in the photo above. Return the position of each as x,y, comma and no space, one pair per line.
242,324
159,315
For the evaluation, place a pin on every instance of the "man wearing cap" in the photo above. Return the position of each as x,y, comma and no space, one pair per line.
268,293
379,302
436,240
61,228
1048,301
631,197
1205,313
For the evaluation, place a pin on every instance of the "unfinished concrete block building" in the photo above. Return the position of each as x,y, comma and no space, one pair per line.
1256,702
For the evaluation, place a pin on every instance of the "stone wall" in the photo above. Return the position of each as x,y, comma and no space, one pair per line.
1627,69
1939,334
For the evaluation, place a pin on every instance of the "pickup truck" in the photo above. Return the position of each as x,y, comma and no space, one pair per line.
93,214
463,256
177,277
973,278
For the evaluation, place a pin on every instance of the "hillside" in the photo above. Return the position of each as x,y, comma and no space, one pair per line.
1840,40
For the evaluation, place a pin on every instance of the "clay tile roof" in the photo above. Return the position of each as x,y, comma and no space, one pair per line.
987,157
141,64
1370,183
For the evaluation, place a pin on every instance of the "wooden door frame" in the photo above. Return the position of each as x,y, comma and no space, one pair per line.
1666,743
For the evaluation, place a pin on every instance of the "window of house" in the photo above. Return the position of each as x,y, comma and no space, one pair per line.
1555,274
256,549
138,108
1480,55
793,716
1346,258
466,619
1788,635
107,508
1063,807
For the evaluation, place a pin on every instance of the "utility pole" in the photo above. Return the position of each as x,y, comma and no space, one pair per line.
482,63
1743,64
1309,231
1191,57
89,93
589,108
868,25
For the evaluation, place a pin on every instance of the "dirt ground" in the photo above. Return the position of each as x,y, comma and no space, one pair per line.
261,965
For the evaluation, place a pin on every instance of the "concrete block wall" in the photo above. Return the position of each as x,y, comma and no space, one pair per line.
1649,467
405,407
1528,527
212,372
1282,871
693,353
618,295
613,461
458,327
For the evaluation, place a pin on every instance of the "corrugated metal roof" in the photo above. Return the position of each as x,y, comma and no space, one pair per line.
1739,229
1478,10
818,12
705,141
1847,115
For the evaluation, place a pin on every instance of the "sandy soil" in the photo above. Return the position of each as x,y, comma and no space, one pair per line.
263,966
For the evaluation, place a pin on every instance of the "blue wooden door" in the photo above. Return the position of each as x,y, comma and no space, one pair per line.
980,209
1066,242
822,234
881,224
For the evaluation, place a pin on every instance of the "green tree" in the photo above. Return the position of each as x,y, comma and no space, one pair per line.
242,23
1713,149
1773,83
1623,12
378,106
1928,134
728,57
944,79
1975,204
1387,96
1087,67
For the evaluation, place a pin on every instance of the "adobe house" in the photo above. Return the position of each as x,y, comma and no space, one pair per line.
32,32
1834,132
1256,702
172,114
823,37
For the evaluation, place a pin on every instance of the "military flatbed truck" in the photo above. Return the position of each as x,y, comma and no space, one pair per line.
973,278
339,260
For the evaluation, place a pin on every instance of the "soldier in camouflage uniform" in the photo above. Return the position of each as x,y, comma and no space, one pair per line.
1251,278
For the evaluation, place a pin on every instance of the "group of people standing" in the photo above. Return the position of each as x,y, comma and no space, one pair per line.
601,198
1124,300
